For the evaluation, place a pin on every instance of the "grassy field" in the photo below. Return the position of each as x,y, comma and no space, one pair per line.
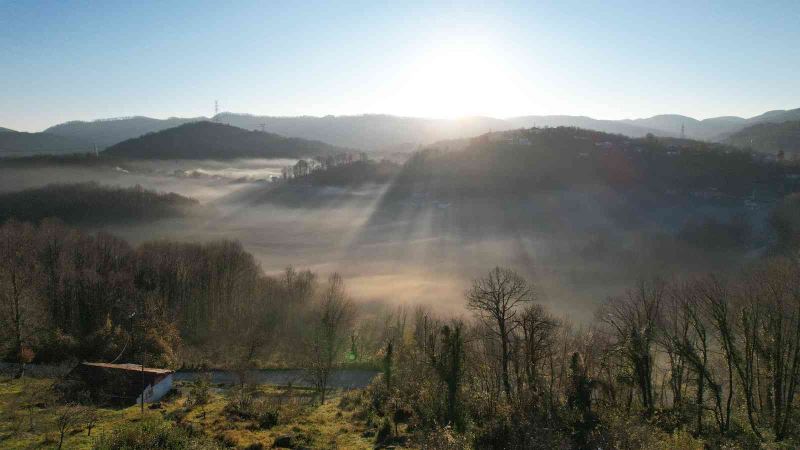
28,421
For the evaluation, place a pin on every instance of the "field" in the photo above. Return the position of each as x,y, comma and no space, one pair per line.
309,424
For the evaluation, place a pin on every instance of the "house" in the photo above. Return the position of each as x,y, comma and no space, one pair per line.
122,384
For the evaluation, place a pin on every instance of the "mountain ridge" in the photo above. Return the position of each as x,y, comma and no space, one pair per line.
390,133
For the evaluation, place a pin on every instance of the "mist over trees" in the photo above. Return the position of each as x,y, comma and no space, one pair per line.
712,357
683,359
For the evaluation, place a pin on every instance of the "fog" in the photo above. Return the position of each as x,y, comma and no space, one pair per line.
578,246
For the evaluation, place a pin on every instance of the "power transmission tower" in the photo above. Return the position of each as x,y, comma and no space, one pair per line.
683,134
216,110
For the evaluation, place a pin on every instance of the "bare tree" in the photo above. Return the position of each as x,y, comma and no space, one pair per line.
633,320
496,299
16,285
330,323
538,333
66,417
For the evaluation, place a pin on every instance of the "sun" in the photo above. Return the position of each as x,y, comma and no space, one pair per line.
459,80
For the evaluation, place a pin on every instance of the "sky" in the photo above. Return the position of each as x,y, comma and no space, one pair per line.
86,60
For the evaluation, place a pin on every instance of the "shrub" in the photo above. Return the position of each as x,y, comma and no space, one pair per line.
384,431
200,393
269,418
152,433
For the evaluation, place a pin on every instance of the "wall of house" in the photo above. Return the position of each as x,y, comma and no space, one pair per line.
153,393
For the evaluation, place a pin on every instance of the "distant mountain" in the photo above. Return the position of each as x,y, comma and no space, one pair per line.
210,140
370,132
386,133
107,132
776,116
769,137
15,143
6,130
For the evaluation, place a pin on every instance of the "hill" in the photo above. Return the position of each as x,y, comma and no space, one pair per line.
209,140
523,161
387,133
769,137
6,130
15,143
92,204
606,126
107,132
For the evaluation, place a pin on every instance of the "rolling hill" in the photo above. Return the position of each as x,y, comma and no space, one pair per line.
210,140
107,132
769,137
16,143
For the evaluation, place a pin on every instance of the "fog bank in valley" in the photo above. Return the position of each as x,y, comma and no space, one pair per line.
416,250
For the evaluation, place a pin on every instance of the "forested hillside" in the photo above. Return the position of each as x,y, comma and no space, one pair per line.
93,204
770,138
538,159
210,140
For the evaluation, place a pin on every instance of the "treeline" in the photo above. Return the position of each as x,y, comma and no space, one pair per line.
702,362
67,295
340,170
93,204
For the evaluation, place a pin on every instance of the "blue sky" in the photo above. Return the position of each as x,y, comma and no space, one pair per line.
66,60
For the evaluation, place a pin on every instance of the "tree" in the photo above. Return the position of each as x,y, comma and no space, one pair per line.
496,300
447,360
17,282
330,322
633,321
91,415
66,417
538,330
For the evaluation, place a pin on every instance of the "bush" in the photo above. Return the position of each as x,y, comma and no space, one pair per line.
268,418
350,400
443,439
384,431
199,391
152,433
241,403
245,404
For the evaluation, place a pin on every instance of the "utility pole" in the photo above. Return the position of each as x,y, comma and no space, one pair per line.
142,382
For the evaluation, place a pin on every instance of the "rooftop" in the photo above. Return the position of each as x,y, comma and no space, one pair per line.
129,367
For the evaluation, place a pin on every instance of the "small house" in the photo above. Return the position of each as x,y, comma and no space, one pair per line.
122,384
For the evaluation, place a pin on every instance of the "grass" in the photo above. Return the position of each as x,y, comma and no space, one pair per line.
315,426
